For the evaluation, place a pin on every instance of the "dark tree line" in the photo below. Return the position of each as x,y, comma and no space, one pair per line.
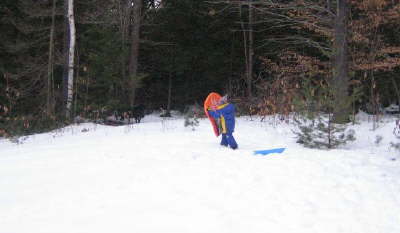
172,53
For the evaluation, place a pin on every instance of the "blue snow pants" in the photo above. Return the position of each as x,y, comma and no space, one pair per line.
228,139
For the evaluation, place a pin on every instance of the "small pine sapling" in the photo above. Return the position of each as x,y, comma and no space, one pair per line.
315,125
192,117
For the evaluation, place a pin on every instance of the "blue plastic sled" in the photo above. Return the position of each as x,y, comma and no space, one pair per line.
265,152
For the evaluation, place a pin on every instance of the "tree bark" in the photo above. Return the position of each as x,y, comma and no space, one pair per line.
71,53
341,65
229,88
251,51
170,75
76,85
134,55
65,58
169,92
50,65
248,41
125,10
246,50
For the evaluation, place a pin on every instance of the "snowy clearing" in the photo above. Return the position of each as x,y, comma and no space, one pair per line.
158,176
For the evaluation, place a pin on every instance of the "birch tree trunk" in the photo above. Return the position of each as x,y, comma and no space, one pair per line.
71,53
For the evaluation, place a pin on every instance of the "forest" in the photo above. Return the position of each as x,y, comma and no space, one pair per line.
63,59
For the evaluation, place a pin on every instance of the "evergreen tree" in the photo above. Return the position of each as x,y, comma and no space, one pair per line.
27,27
193,41
375,52
189,48
192,114
315,124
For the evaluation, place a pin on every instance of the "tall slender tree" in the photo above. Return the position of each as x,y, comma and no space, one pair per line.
251,50
341,64
50,66
134,54
248,41
124,12
70,57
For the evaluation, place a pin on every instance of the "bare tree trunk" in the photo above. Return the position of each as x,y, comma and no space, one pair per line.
50,95
251,51
86,97
76,83
133,64
246,50
341,65
71,53
169,93
125,10
374,101
231,66
374,47
248,41
65,58
171,73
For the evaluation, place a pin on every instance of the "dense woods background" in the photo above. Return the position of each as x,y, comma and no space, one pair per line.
65,58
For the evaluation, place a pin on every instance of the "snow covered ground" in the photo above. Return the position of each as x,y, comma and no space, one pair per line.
161,177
